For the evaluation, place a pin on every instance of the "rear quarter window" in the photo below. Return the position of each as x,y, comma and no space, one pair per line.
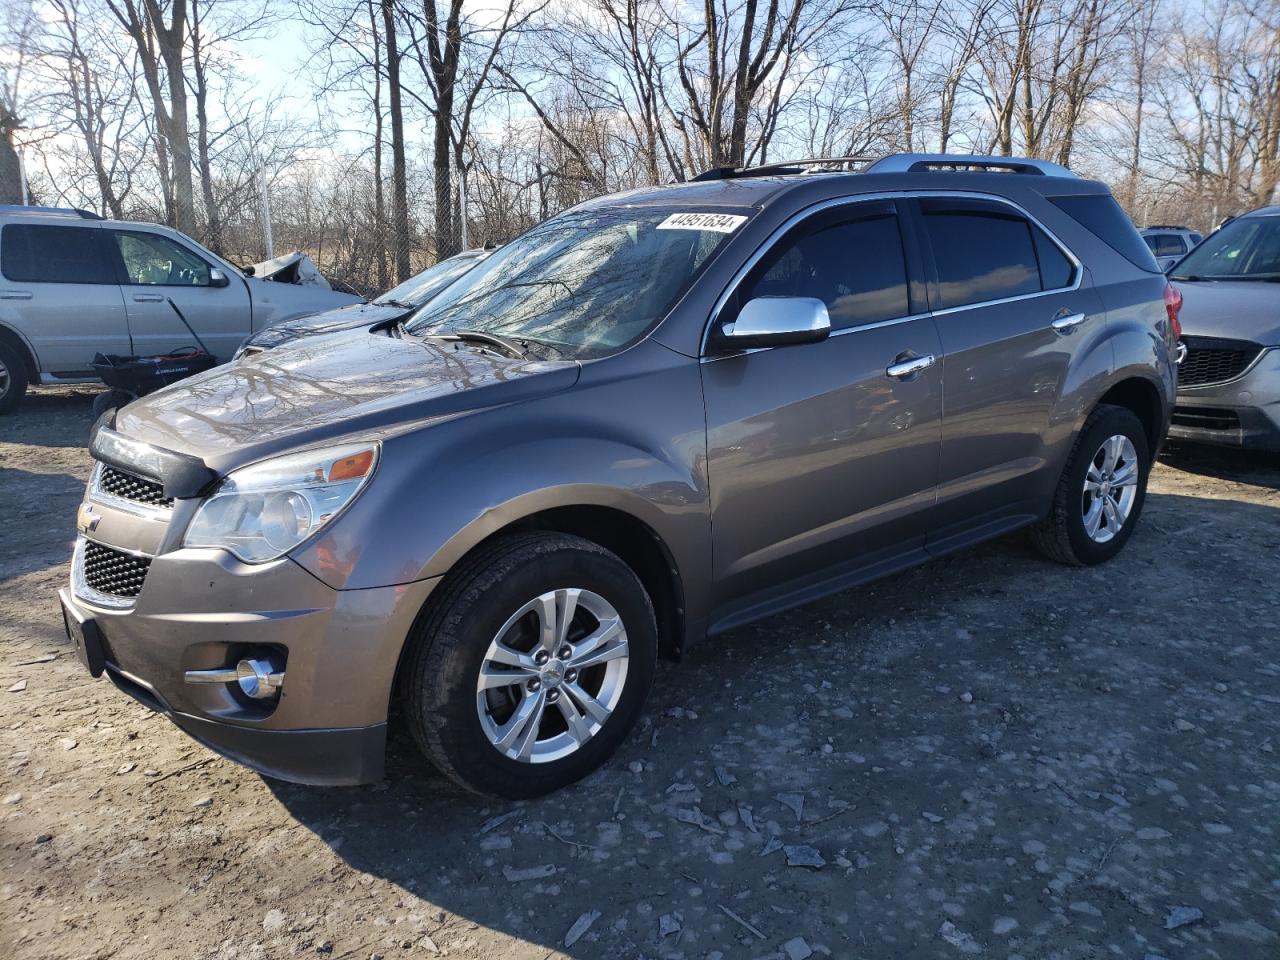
1101,215
35,253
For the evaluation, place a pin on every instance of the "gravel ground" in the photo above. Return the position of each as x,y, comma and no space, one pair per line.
988,756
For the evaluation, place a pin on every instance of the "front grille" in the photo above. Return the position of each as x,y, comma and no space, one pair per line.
128,487
1215,361
1206,418
113,572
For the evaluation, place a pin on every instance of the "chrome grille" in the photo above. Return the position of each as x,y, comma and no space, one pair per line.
126,486
1215,361
113,572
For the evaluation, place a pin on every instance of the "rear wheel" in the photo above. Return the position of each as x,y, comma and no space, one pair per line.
13,377
1101,492
530,665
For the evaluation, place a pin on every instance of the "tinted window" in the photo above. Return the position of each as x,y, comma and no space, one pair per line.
980,255
856,268
31,253
1101,215
1165,244
158,261
1056,271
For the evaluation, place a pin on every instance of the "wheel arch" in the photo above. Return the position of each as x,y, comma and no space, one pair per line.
1140,395
17,341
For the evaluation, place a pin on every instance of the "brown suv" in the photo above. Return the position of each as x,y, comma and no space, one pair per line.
652,418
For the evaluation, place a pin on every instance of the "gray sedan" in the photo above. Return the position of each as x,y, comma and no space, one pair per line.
1229,382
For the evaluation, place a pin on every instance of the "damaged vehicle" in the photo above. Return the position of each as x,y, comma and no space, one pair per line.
73,285
649,420
396,304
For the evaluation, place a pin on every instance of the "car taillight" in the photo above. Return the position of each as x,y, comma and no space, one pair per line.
1172,305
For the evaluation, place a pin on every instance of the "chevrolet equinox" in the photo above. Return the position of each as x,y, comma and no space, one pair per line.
650,419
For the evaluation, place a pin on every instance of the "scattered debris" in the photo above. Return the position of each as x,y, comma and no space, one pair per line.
773,845
580,927
521,874
725,777
18,687
203,802
1182,916
123,768
695,817
494,822
70,743
737,919
744,811
797,949
966,697
794,802
958,938
803,855
1004,925
43,658
44,837
13,798
931,817
670,923
1185,726
635,766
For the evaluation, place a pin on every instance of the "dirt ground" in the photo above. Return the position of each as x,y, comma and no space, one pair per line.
988,756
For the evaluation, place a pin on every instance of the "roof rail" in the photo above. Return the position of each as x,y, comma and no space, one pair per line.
922,162
775,169
56,211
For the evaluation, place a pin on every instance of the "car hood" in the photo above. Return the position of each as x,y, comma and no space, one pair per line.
344,318
1234,309
331,386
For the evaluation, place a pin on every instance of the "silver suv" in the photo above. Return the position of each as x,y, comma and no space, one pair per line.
649,420
73,285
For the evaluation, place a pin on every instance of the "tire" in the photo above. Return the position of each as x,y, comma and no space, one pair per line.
13,377
458,727
1064,534
110,400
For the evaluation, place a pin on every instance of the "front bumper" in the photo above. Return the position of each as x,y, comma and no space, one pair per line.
1244,412
204,610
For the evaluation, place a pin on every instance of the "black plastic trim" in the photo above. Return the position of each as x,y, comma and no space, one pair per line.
182,476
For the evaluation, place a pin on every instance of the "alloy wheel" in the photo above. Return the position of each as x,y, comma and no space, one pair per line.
552,675
1110,488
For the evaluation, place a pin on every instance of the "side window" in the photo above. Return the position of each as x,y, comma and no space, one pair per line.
33,253
981,252
1056,271
1166,245
158,261
856,267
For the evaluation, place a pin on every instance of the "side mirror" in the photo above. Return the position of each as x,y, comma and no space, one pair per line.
217,278
777,322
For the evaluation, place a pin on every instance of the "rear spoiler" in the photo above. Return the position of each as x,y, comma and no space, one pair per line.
182,475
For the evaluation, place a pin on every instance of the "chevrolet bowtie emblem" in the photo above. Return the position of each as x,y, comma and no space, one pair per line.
86,519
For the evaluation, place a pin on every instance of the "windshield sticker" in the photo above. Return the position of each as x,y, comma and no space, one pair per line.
715,222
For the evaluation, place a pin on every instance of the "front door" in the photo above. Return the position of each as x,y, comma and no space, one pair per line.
156,270
823,458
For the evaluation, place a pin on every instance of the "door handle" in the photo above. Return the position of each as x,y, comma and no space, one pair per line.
148,298
1068,323
15,294
910,367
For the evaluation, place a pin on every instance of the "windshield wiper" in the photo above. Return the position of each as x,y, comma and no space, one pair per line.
396,303
508,346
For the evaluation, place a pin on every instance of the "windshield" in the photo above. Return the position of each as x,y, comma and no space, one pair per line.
421,287
1246,249
586,283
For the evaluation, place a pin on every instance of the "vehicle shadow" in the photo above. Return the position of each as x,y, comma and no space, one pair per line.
977,688
1258,467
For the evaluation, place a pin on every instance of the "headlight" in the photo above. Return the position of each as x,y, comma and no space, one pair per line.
264,510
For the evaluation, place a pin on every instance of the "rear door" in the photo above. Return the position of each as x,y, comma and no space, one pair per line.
59,291
1012,307
156,269
819,459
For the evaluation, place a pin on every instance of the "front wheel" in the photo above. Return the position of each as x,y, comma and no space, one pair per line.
530,665
1101,492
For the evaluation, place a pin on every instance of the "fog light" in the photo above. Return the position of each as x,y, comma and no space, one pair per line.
258,679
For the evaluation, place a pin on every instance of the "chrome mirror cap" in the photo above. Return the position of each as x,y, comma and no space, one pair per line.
777,321
217,278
